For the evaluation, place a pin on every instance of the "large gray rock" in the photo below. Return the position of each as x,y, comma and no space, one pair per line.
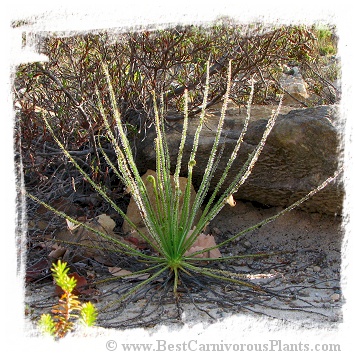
302,150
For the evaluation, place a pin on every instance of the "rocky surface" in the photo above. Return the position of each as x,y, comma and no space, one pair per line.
303,149
294,85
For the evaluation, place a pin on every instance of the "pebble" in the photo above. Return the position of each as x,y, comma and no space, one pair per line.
316,268
335,297
217,231
246,244
303,293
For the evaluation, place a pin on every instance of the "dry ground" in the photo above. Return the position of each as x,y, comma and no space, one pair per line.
308,279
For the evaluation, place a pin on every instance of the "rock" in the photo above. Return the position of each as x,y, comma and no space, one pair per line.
295,87
303,293
246,244
301,151
335,297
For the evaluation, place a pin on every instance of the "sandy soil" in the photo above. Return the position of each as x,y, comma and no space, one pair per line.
302,232
311,278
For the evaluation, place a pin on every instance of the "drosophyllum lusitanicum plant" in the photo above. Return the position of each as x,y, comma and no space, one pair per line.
173,221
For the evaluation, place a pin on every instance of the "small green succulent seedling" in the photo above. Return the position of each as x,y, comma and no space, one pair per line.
69,308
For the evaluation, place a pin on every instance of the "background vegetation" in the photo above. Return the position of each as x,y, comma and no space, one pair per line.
140,63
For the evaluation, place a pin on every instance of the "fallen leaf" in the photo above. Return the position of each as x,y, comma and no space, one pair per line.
91,244
38,270
136,242
126,274
91,274
57,251
118,271
204,241
106,222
